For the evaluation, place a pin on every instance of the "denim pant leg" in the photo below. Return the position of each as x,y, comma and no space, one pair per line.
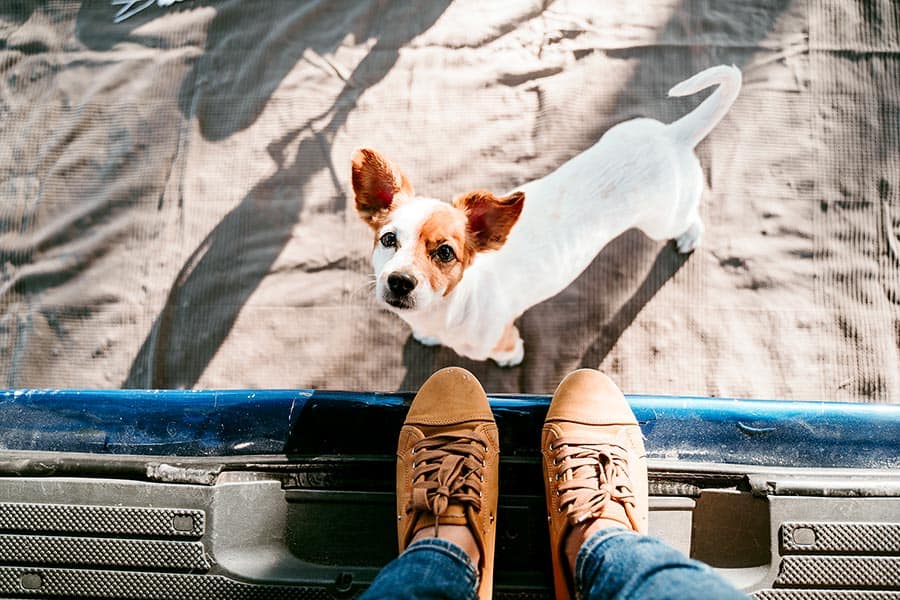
620,564
428,569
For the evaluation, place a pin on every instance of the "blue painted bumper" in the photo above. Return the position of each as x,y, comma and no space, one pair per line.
317,423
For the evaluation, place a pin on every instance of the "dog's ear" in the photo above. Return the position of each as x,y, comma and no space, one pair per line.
490,218
376,184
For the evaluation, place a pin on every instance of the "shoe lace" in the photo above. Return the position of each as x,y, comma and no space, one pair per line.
590,476
447,468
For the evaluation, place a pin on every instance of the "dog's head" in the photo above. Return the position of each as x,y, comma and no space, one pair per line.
422,245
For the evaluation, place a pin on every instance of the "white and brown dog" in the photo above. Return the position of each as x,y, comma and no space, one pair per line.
460,274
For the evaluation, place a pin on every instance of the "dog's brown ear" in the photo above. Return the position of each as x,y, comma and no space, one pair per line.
490,218
376,184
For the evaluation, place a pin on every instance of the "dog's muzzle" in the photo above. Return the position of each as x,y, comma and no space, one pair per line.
399,287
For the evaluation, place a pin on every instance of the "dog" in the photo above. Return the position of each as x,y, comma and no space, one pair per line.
461,273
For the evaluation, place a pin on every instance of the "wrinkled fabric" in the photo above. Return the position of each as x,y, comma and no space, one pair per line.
430,569
617,564
614,564
175,209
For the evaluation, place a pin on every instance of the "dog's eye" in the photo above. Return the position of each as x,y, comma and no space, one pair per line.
445,253
389,239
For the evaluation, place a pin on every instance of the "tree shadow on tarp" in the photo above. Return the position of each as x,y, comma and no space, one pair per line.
96,28
580,326
227,267
232,82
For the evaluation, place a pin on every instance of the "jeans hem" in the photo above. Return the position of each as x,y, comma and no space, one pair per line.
586,551
453,551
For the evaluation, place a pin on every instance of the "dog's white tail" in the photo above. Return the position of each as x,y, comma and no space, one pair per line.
696,125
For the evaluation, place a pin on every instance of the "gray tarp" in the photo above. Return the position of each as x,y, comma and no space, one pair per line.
175,207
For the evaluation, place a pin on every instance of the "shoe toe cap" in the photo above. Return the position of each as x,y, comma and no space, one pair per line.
451,395
588,396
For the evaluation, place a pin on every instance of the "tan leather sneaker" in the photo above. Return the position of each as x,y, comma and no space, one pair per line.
447,465
594,464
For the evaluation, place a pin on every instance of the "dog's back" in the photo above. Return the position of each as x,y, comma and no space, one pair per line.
642,173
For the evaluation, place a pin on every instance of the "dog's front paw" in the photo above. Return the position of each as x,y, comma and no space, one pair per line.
690,239
426,340
513,357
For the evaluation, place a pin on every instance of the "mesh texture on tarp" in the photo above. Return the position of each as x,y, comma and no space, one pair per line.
175,207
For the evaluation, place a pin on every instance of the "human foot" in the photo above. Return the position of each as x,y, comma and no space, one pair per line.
447,469
595,470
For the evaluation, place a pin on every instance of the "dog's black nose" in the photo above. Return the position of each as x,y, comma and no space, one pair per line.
401,283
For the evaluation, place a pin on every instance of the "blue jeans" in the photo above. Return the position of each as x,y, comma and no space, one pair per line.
428,569
613,563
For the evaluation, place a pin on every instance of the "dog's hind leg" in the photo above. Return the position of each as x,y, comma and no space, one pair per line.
426,340
510,350
689,228
690,239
